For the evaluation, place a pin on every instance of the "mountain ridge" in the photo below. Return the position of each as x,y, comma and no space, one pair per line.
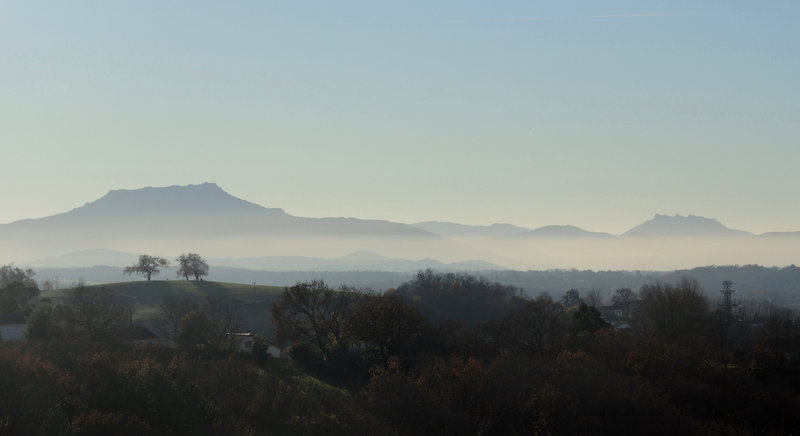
362,260
209,207
207,220
209,199
682,226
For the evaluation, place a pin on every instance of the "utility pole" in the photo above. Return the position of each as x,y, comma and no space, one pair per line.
727,306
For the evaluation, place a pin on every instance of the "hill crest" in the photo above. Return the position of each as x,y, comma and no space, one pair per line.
683,226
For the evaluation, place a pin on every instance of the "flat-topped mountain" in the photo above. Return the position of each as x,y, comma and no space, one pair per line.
683,226
205,219
207,198
203,210
201,218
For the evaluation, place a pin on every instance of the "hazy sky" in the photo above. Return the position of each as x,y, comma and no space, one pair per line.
596,114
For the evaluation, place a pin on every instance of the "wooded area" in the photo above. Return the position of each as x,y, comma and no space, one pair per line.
441,354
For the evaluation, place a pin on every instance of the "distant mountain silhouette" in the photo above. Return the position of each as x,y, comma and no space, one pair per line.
456,230
683,226
780,235
205,219
184,218
206,198
568,232
194,211
364,260
88,258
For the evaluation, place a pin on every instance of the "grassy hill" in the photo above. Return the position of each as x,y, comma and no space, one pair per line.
144,297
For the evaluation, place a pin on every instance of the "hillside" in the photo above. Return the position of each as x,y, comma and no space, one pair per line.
456,230
144,297
204,219
199,217
560,231
683,226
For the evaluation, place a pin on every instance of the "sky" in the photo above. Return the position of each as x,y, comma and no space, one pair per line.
594,114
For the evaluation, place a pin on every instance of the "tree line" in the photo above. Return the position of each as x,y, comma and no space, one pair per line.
419,359
423,360
189,265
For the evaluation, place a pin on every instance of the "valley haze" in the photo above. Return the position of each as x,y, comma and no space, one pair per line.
233,232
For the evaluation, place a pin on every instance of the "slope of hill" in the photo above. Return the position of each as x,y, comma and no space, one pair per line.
554,231
193,211
87,258
253,301
456,230
205,219
363,260
683,226
198,217
207,198
777,235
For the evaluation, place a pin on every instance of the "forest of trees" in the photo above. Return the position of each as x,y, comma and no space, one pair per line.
441,354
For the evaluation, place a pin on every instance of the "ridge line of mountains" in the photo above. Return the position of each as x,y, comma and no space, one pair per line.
209,200
204,218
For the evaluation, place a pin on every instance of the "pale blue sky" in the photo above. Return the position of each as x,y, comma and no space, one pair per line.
596,114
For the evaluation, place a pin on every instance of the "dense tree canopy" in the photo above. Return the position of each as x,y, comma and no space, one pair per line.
537,328
587,319
539,369
386,323
571,298
17,296
10,274
623,296
147,266
191,264
444,297
672,313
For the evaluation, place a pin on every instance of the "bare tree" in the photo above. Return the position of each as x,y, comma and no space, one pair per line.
623,295
537,328
672,313
147,266
226,321
93,310
594,298
314,313
191,264
170,313
387,323
571,298
214,326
